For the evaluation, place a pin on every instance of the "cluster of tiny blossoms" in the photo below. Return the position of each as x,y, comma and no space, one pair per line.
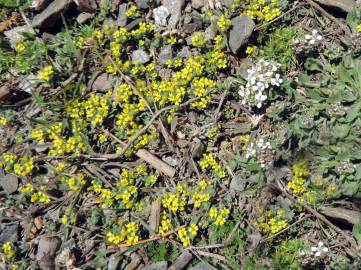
309,40
262,10
21,166
272,221
9,251
224,23
186,234
46,73
128,235
259,79
209,162
219,215
36,196
300,173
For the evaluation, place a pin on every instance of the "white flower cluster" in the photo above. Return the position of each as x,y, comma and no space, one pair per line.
312,39
316,252
252,148
259,79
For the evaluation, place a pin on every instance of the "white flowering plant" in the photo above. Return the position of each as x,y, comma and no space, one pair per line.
260,80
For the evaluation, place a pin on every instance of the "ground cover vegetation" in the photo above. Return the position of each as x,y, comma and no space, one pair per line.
201,134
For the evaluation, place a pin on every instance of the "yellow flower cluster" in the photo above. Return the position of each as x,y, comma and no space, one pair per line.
20,46
199,39
40,196
300,173
262,10
224,23
9,251
209,162
271,222
201,194
174,201
244,139
24,166
219,215
68,217
358,28
75,182
186,234
132,12
128,235
250,49
46,73
38,135
27,189
3,121
165,224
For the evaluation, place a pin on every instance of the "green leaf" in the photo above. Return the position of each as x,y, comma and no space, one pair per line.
353,112
356,231
313,64
351,188
353,17
341,131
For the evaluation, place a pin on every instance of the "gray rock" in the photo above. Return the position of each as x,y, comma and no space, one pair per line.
10,234
242,28
84,17
140,56
185,52
15,33
122,17
87,5
47,248
228,3
102,83
51,14
201,266
114,262
9,183
165,54
28,84
197,4
211,30
157,266
188,8
343,5
175,9
237,184
142,4
160,16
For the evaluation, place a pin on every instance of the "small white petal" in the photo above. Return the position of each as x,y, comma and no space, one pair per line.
314,32
320,244
313,249
325,249
319,37
318,254
259,105
307,36
311,42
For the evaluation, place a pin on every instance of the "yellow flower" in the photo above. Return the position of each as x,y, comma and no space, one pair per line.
213,212
250,49
9,250
199,39
193,229
358,28
46,73
20,46
3,121
224,23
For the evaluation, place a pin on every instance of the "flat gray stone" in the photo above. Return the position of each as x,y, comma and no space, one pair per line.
140,56
47,248
242,28
51,14
122,17
142,4
198,4
15,33
165,54
175,8
10,234
237,184
200,266
157,266
343,5
9,183
113,262
102,83
84,17
161,15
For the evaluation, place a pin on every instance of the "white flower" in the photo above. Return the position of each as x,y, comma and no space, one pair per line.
325,249
314,32
313,249
319,37
307,37
318,254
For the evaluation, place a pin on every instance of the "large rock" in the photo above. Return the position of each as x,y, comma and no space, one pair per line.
175,9
242,28
51,14
47,248
15,33
9,234
157,266
9,183
160,16
201,266
165,54
343,5
140,56
122,16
